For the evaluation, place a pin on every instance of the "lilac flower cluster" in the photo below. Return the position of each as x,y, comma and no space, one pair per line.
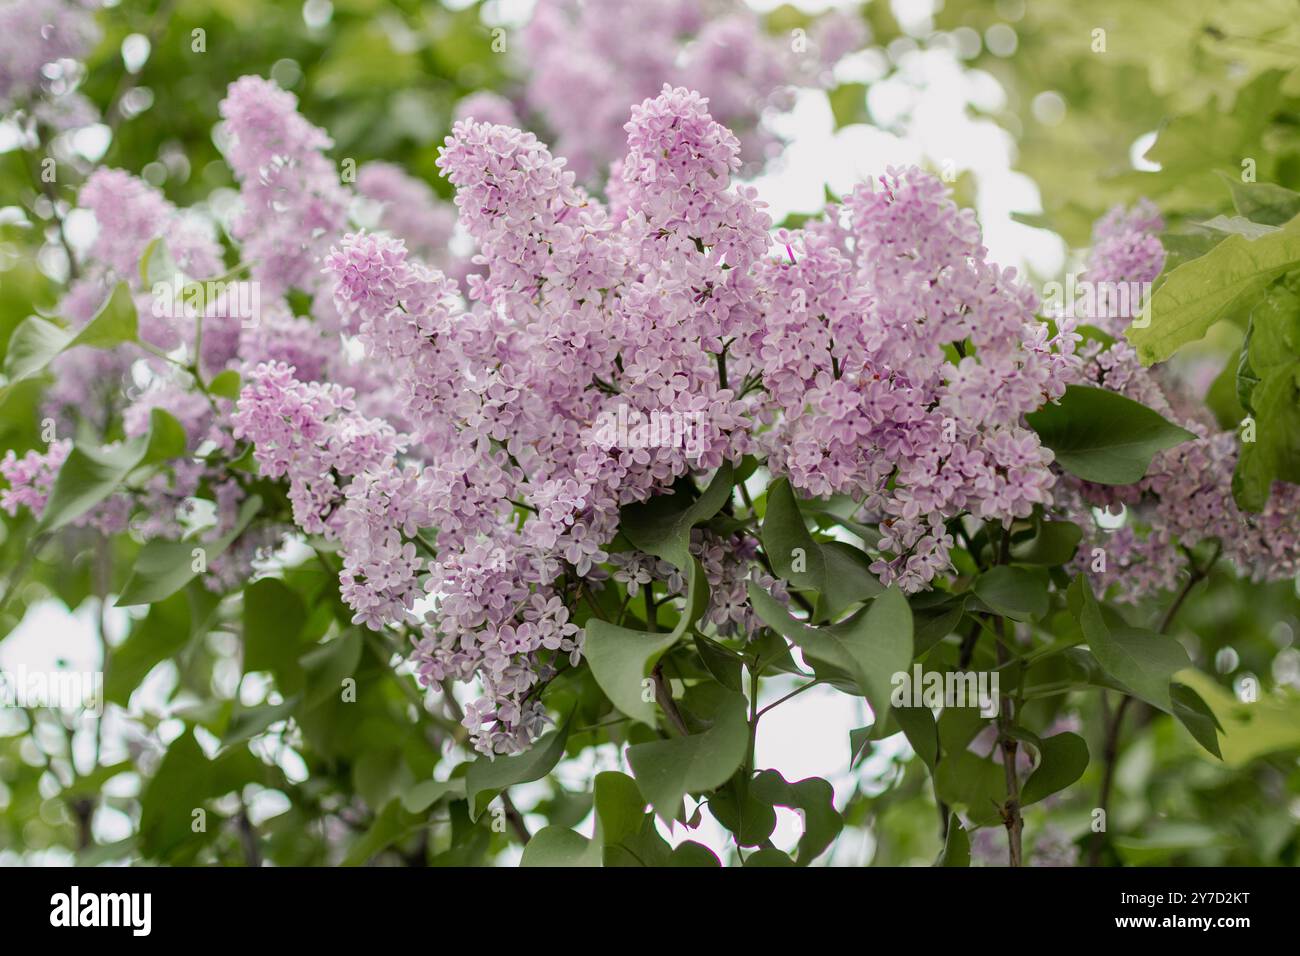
498,499
293,202
865,351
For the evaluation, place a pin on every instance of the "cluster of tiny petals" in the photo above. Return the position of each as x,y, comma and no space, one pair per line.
309,432
31,477
861,319
293,203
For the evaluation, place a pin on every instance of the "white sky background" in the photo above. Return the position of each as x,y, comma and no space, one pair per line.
931,93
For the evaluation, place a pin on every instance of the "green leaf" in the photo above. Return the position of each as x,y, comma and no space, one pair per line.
870,647
666,770
620,660
225,384
183,784
164,567
273,618
326,666
965,779
1139,659
1219,285
157,265
1195,714
390,825
1062,760
1053,543
814,798
1268,725
1017,593
560,846
1263,202
1238,226
1275,453
248,722
1101,436
488,776
36,341
419,797
662,525
625,834
768,856
922,732
162,634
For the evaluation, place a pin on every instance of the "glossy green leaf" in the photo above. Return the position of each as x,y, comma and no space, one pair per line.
488,776
1101,436
1017,593
814,798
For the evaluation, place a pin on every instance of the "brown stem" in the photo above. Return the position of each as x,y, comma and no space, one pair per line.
1011,817
515,818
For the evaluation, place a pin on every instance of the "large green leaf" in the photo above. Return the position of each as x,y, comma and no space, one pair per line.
956,845
488,776
814,798
1017,593
662,525
273,618
667,770
1102,436
621,660
870,647
1218,285
184,783
625,834
1062,760
163,632
1268,725
965,779
1263,202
